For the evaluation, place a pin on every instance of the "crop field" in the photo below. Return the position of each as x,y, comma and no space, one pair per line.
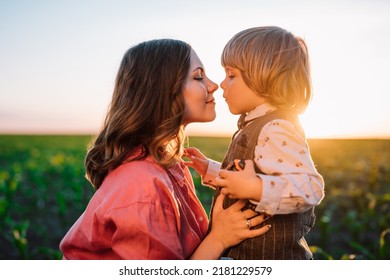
43,191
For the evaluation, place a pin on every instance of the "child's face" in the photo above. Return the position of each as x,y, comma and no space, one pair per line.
239,97
198,94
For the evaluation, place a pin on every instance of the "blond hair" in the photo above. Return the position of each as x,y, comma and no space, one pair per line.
273,63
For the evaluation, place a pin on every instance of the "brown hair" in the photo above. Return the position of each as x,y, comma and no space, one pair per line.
274,63
146,109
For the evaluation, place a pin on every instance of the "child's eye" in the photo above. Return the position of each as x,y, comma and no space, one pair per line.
229,74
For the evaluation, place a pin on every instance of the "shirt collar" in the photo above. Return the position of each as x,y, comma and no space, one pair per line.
177,170
259,111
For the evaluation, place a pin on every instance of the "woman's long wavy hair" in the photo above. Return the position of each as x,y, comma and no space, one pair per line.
146,109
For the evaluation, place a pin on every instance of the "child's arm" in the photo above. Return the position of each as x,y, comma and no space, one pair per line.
290,182
207,168
243,183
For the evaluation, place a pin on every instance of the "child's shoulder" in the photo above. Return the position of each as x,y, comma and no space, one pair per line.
282,131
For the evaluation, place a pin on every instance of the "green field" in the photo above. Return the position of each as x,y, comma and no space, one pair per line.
43,191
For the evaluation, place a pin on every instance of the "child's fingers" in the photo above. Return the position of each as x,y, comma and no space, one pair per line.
221,182
239,164
226,192
249,164
223,174
189,163
188,152
191,151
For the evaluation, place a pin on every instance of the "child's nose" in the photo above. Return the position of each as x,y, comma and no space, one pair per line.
222,84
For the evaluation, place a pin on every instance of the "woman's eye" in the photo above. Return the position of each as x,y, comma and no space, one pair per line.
199,75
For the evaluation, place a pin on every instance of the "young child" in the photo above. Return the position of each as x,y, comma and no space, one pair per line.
268,83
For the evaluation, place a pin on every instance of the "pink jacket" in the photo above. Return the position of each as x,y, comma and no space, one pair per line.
141,211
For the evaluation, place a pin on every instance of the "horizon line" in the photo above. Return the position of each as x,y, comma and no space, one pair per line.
221,135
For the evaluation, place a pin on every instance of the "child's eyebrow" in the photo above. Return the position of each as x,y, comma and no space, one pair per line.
231,68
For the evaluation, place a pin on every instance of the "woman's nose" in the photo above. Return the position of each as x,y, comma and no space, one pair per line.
212,87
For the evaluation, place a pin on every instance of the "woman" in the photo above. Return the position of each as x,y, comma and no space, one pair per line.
145,206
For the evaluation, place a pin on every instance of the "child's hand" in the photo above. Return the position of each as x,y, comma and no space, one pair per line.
241,184
198,161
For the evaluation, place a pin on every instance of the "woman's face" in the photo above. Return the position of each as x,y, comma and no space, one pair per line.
198,94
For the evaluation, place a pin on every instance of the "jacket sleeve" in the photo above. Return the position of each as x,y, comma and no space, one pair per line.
212,172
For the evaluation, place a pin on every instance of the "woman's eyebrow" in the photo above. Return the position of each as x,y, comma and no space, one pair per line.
198,68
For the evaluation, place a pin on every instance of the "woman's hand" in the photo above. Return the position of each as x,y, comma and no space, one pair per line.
244,184
198,161
230,227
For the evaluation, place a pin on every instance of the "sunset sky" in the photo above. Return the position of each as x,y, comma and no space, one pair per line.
58,59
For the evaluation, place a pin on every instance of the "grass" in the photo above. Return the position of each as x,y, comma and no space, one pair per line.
43,191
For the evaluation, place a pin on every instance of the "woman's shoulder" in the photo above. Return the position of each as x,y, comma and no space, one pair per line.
142,170
136,180
146,165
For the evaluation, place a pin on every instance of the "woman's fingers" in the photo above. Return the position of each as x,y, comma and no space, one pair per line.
257,232
249,213
249,216
218,205
232,225
256,220
238,205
